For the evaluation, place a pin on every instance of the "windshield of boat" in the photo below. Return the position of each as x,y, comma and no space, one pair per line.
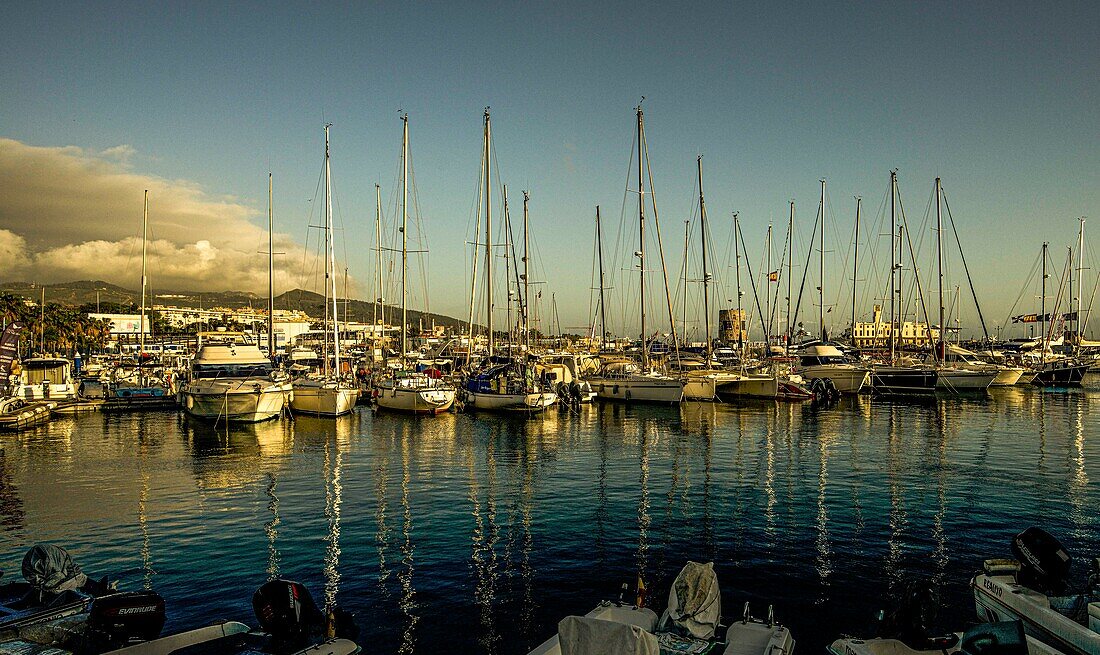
814,360
246,370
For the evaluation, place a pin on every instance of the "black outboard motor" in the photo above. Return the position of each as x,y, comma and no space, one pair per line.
1004,638
124,618
1044,563
911,620
286,611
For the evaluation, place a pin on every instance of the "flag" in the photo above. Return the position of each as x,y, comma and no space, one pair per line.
773,276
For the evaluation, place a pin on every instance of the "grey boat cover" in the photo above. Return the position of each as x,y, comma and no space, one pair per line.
49,568
580,635
694,602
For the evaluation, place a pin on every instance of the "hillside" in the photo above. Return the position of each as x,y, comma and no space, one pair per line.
85,292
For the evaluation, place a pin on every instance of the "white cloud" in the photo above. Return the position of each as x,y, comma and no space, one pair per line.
68,214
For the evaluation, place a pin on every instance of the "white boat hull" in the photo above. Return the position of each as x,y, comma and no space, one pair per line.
414,399
948,379
751,386
510,402
999,598
323,399
640,389
848,380
1008,376
241,401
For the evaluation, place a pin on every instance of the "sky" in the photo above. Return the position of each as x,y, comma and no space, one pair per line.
197,102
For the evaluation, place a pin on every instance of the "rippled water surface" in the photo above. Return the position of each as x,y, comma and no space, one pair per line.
478,533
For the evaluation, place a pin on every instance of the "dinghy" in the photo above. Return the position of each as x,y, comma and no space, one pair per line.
691,625
1034,588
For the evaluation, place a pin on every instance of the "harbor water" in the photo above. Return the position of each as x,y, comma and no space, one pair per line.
477,533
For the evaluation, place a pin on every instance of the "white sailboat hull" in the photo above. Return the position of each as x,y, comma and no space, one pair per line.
846,379
414,398
641,389
1008,376
948,379
241,401
323,398
751,386
511,402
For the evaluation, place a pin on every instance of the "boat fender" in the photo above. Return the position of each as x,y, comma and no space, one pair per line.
627,394
615,391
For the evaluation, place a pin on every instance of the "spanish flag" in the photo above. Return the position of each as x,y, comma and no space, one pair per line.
773,276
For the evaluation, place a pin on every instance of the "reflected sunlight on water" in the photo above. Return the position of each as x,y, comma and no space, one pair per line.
478,533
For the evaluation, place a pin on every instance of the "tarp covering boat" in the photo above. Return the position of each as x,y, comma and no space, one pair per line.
694,602
581,635
51,569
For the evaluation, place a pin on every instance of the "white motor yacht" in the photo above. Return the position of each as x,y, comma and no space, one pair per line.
231,380
1033,589
45,378
691,625
823,361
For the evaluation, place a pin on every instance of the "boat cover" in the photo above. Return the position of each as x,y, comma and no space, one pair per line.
580,635
694,602
49,568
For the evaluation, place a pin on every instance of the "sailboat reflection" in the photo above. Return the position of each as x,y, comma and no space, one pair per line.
271,528
334,450
408,593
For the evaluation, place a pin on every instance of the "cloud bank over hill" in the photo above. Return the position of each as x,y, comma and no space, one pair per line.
67,213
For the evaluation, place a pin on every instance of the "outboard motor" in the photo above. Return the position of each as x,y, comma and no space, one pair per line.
911,619
1004,638
1044,563
120,619
286,611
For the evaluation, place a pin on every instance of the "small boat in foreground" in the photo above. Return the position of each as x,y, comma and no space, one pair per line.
20,414
691,625
1033,588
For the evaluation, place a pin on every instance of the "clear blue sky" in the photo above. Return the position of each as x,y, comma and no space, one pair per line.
1001,100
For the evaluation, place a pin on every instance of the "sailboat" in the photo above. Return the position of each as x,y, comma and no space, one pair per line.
703,383
136,388
503,383
893,379
1057,370
327,394
402,390
624,379
949,377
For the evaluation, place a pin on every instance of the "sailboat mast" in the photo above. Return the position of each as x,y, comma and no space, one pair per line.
706,275
737,276
1080,280
641,242
768,271
855,266
599,255
330,261
941,347
687,231
380,309
525,302
270,271
404,232
1043,310
488,232
893,267
790,273
821,267
144,280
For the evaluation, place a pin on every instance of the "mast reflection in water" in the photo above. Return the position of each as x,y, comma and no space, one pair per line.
478,533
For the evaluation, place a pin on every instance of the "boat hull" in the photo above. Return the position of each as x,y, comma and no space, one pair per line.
1060,375
999,598
955,380
1008,376
510,402
643,389
750,386
415,400
846,380
240,401
890,381
323,399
